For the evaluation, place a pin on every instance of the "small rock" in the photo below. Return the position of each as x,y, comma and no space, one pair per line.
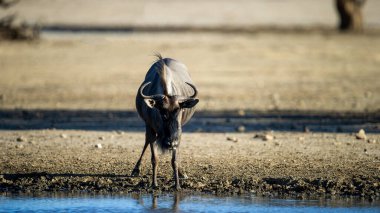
265,137
63,136
99,146
233,139
240,128
102,138
21,139
365,150
306,129
19,146
361,135
120,132
268,137
371,140
32,142
277,143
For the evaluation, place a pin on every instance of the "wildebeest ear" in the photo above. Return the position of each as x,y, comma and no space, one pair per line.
150,102
189,103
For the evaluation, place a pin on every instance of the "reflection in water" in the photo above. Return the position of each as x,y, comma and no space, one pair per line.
177,202
142,200
155,203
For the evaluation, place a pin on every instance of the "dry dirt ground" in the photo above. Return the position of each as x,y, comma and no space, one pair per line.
64,94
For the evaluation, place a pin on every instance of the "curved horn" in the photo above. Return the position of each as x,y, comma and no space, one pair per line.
149,96
195,90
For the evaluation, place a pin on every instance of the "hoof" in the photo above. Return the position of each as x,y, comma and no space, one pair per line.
155,186
135,173
177,188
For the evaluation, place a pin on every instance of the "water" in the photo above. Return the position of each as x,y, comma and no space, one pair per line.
175,203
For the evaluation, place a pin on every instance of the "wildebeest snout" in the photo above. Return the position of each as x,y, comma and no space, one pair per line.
171,143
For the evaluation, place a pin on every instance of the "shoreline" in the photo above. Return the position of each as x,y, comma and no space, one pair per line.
277,188
292,165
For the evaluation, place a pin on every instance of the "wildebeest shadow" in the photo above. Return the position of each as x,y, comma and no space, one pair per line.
203,121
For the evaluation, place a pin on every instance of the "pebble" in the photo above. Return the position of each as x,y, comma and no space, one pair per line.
19,146
32,142
265,137
361,135
120,132
233,139
277,143
240,128
371,140
99,146
268,137
63,136
102,138
21,139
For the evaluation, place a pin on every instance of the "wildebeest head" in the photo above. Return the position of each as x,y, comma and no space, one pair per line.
170,108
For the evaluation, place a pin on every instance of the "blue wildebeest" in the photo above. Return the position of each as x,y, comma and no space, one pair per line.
165,101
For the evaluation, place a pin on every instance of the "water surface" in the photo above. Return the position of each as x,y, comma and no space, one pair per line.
176,203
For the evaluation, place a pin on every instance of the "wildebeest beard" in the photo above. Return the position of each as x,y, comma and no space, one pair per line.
170,134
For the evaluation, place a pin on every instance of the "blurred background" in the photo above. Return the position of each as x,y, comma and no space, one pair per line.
198,13
299,57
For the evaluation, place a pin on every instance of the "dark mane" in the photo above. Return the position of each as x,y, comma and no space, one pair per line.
161,70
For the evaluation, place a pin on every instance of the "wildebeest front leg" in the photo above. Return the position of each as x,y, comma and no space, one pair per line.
149,138
175,169
154,164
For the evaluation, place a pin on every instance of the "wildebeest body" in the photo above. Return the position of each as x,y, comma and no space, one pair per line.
177,76
165,101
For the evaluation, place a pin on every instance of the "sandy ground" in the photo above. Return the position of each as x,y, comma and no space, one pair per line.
62,95
297,72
